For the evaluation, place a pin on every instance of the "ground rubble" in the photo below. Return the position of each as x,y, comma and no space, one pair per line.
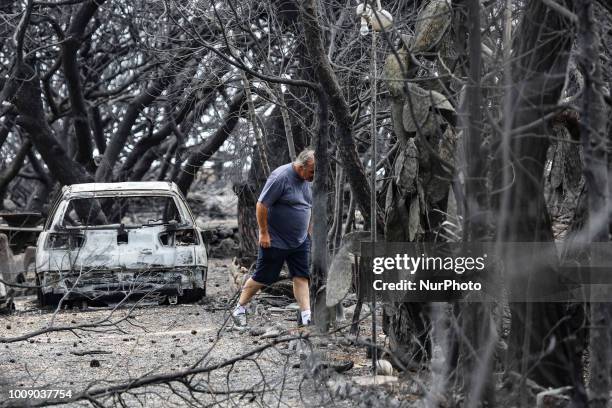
298,366
272,361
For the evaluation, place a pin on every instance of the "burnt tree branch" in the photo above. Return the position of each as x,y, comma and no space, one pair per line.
196,101
204,152
27,98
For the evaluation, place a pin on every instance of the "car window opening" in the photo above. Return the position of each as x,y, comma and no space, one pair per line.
121,212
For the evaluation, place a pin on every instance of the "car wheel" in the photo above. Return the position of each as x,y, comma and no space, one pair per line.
45,299
192,295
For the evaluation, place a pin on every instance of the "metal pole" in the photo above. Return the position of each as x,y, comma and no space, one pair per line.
373,192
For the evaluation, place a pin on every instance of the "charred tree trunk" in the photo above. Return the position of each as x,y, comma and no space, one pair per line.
179,151
319,263
72,73
335,233
144,164
259,142
538,73
168,155
97,127
247,224
594,141
40,197
476,358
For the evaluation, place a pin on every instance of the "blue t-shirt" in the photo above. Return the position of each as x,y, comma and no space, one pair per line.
289,199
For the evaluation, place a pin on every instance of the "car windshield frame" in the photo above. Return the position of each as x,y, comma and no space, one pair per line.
185,216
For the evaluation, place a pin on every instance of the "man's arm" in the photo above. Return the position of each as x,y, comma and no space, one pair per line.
272,191
310,224
261,212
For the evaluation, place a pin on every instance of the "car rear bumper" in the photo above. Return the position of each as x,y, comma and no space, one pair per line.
98,283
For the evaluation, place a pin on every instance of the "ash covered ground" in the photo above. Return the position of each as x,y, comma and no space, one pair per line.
164,341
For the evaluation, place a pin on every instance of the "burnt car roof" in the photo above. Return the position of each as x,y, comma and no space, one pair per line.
124,186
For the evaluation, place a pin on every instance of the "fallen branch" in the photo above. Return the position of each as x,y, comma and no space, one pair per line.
90,352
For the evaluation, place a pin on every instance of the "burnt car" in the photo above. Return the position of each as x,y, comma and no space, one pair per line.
104,240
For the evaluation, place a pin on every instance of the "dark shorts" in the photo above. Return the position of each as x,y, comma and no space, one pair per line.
270,261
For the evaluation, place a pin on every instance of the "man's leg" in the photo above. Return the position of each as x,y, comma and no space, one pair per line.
267,269
301,291
298,261
249,290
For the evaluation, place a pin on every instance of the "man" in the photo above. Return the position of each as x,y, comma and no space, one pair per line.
283,216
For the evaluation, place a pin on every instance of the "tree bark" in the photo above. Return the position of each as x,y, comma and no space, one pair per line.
286,121
42,193
594,140
98,129
247,224
144,163
167,158
319,263
335,232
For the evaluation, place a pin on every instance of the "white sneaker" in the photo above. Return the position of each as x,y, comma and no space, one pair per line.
240,321
300,322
